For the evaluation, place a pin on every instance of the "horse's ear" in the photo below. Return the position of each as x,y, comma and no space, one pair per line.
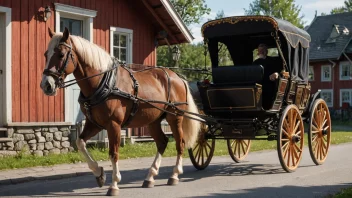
51,32
66,34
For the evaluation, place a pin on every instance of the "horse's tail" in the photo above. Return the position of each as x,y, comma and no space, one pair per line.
190,127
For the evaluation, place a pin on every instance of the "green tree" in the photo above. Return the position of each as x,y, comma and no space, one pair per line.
191,11
346,8
338,10
283,9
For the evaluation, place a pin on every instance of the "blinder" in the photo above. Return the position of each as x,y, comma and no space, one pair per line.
58,75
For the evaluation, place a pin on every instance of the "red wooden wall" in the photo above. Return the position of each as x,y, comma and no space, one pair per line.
30,39
335,84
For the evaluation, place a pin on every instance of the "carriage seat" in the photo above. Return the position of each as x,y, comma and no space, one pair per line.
246,74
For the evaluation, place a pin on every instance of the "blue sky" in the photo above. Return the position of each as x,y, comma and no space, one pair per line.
236,8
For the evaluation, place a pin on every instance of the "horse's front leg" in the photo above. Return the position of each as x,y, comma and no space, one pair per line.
161,142
89,131
114,134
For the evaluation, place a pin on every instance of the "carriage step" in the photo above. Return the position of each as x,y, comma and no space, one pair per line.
3,140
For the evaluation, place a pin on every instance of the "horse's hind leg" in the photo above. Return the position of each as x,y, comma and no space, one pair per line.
161,142
175,123
114,134
89,131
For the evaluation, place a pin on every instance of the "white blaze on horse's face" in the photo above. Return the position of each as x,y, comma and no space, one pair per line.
48,84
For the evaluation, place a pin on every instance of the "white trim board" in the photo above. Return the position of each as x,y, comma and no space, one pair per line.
86,16
177,20
8,71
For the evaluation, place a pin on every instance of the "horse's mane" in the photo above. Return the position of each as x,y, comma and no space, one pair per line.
91,54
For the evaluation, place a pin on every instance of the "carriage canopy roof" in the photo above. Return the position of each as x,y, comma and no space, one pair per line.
245,25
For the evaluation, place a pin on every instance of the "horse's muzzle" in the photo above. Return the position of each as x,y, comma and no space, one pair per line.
47,87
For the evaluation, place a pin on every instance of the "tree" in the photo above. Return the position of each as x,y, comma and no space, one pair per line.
346,8
283,9
191,11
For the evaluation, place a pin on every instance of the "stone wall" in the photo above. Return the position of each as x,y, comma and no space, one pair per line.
39,140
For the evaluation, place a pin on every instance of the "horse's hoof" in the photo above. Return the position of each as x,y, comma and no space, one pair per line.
148,184
112,192
102,178
172,181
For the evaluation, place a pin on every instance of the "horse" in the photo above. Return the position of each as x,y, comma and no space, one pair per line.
112,96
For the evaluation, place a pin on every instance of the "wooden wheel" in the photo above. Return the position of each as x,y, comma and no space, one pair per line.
290,138
238,149
202,153
319,135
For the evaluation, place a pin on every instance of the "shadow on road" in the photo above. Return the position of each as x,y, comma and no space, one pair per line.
134,178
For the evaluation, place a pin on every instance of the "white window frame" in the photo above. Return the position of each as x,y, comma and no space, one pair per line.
86,16
129,34
7,73
332,96
345,90
323,79
313,73
343,63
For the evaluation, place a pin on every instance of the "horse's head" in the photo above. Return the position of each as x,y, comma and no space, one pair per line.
60,62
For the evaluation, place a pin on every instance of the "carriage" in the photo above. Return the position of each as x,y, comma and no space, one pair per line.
235,104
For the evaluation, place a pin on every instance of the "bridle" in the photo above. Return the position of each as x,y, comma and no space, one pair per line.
58,75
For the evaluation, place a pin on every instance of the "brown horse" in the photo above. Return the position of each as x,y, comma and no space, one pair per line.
90,64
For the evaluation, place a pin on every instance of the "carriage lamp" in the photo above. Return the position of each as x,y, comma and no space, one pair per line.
176,53
47,13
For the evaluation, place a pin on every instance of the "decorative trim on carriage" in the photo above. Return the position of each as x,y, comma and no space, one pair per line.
232,98
236,19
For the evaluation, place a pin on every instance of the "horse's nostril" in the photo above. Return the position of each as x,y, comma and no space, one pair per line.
48,89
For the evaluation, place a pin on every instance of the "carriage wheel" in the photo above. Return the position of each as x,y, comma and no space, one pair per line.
202,153
238,149
290,138
319,135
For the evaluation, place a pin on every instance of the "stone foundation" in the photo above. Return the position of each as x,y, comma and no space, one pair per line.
39,140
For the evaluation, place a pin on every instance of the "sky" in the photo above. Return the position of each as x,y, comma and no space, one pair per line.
236,8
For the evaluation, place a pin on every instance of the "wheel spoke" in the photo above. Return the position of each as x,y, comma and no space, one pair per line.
289,156
285,140
197,145
326,127
239,150
206,151
298,149
198,154
235,148
293,124
293,157
233,142
314,121
244,141
243,148
284,146
315,132
285,132
285,124
286,150
202,156
314,138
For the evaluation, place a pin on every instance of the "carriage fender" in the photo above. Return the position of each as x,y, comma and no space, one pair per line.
312,99
195,92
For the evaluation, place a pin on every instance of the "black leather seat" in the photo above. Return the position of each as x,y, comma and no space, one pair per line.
248,74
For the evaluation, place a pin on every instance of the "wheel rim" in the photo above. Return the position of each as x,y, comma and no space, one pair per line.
320,132
203,150
291,139
238,149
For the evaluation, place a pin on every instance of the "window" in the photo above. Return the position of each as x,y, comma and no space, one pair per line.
74,26
273,52
311,73
345,96
345,71
327,95
121,44
325,73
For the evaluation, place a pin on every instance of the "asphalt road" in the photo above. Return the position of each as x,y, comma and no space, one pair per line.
260,176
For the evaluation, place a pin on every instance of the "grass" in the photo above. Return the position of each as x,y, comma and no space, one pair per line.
345,193
23,160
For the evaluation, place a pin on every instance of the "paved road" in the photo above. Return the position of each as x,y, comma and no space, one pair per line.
260,176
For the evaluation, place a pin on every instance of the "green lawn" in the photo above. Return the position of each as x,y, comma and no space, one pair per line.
345,193
139,150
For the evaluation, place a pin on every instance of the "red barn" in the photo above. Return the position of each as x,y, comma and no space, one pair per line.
128,29
330,58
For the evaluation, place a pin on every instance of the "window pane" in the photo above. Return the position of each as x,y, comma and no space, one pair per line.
123,39
326,96
346,96
311,73
116,53
123,55
116,39
74,26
